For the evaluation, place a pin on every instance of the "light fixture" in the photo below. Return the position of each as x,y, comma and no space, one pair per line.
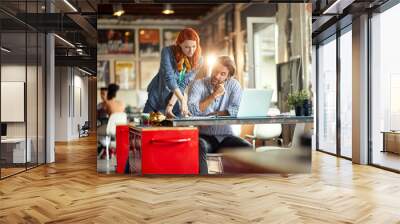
5,50
70,5
118,10
337,7
84,71
65,41
79,51
168,9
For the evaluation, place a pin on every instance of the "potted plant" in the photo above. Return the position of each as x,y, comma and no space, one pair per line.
300,102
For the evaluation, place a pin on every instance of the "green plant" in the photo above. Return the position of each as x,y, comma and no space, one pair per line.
297,98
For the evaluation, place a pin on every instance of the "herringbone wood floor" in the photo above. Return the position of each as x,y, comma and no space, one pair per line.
70,191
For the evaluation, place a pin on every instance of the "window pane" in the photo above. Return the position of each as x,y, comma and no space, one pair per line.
327,97
385,89
346,94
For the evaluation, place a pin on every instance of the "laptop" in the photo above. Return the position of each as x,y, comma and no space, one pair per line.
255,103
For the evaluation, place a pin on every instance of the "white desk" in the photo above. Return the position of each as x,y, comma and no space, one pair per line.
18,150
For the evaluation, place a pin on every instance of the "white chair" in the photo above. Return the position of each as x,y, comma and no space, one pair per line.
266,132
299,130
114,120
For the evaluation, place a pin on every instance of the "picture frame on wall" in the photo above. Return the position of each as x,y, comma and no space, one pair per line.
149,42
116,41
148,69
169,36
125,74
103,73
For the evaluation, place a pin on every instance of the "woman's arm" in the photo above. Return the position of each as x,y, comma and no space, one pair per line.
167,70
170,106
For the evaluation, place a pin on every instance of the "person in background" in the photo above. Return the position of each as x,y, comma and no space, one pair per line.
216,95
102,114
112,104
178,67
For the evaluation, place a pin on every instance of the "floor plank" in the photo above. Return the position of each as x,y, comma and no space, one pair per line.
71,191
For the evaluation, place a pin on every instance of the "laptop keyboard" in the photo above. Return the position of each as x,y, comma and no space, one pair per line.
197,118
204,117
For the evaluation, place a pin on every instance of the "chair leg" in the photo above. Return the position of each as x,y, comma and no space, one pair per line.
108,141
100,154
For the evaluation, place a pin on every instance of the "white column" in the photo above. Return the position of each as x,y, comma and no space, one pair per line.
50,99
360,90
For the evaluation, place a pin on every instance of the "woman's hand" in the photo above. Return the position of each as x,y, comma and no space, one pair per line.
184,108
168,111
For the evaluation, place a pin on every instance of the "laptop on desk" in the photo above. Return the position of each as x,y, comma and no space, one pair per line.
255,103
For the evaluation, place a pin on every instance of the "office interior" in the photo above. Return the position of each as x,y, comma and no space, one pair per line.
357,81
45,82
257,40
353,84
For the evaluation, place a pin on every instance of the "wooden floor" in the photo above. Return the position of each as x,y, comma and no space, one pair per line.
70,191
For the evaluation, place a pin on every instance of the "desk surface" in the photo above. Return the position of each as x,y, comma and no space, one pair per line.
280,119
13,140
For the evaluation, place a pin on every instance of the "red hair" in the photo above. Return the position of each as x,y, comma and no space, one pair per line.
187,34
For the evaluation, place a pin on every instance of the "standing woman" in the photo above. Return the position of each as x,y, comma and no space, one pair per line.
178,67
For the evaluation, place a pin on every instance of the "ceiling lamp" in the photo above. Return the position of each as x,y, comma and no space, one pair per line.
5,49
70,5
65,41
118,10
168,9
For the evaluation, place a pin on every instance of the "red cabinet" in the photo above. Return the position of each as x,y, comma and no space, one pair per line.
122,147
165,150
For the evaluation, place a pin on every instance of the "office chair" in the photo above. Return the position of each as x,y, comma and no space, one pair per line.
266,132
109,139
298,131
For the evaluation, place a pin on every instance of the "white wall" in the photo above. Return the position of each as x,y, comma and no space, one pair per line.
71,87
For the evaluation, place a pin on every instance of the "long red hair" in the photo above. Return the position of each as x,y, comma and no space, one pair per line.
187,34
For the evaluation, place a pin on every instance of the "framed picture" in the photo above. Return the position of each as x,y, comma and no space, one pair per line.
149,42
169,36
116,41
148,69
103,73
125,74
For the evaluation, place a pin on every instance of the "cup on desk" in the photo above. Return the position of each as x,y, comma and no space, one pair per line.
145,119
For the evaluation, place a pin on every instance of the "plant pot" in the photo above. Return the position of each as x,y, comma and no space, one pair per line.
299,110
307,108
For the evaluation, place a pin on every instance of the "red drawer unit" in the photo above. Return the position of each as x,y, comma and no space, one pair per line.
165,150
122,147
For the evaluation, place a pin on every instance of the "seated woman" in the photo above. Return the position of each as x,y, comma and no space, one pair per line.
178,67
113,105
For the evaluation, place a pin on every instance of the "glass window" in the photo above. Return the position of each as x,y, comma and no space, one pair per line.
385,84
15,150
346,94
327,96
